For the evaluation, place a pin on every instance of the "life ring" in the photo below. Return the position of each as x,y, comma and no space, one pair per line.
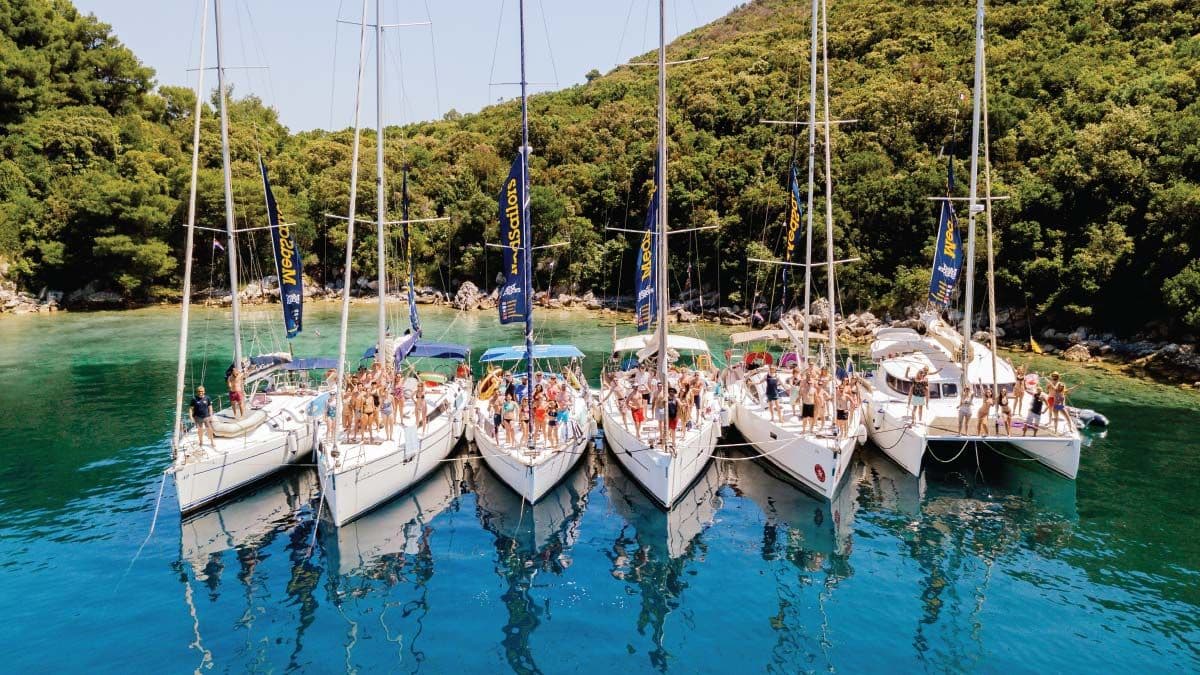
489,385
432,379
753,358
788,359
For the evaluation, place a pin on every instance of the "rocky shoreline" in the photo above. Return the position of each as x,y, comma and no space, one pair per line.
1141,356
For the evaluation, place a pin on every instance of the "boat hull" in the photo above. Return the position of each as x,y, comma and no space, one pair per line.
532,475
202,479
360,483
817,463
664,476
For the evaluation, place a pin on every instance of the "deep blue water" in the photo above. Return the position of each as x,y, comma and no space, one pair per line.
996,568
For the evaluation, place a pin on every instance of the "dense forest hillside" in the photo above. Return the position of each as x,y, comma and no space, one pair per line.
1094,116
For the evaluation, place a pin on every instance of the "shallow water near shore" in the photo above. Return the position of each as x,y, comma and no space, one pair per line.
995,567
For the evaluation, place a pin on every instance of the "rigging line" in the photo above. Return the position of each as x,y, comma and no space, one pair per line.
495,51
192,40
333,98
437,92
645,25
549,47
258,47
624,29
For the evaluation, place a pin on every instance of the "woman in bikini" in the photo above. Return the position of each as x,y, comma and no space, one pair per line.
419,404
509,410
985,407
369,411
387,413
552,423
1005,416
540,410
964,410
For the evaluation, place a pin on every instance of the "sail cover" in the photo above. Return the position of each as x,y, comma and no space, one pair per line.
287,263
514,304
948,255
647,304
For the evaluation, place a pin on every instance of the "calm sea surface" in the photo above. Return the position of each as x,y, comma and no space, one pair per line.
1001,568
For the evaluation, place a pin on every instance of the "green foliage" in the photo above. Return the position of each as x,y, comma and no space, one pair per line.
1094,123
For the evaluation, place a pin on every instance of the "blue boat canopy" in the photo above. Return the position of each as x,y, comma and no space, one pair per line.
439,350
539,352
311,364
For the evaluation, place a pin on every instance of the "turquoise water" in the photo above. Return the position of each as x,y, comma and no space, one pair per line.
1001,569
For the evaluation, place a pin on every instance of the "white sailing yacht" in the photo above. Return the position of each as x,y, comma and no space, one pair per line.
952,362
357,476
817,458
283,408
530,463
664,467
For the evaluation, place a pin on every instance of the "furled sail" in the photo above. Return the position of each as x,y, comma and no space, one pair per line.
413,319
948,255
287,262
647,303
514,304
795,234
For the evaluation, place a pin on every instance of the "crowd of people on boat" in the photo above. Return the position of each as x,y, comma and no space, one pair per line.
817,400
551,398
998,406
678,406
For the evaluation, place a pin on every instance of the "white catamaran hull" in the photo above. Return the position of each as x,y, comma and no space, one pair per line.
665,476
205,475
369,475
816,462
905,441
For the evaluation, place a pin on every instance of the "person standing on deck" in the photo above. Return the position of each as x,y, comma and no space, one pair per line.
201,412
236,395
1034,417
985,408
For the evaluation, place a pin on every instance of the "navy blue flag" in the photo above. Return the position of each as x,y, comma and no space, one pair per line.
514,305
413,319
795,234
647,260
948,255
287,263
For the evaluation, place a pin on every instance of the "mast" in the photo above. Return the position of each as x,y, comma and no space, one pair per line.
181,373
380,206
828,198
975,207
991,271
231,250
341,367
526,232
812,158
662,291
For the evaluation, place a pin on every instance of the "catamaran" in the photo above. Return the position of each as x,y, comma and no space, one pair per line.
526,448
925,381
359,474
764,388
281,417
664,457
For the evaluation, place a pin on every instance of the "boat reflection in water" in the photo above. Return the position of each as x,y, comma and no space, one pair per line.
247,528
1006,514
530,539
246,524
655,546
394,537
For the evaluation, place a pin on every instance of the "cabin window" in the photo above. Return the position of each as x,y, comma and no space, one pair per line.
902,386
949,390
934,391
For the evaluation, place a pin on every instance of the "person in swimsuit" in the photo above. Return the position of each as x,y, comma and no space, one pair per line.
672,412
841,403
496,406
985,407
419,404
772,393
369,412
387,414
236,396
540,411
552,423
808,397
637,410
1004,417
794,390
509,410
964,411
201,412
